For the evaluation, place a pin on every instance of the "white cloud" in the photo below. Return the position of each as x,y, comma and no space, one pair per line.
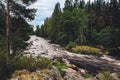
44,9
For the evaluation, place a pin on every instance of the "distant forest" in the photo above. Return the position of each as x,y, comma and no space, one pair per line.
84,23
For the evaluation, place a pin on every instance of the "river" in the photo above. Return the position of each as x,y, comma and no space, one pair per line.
39,46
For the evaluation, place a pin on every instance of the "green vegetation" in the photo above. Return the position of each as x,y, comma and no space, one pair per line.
60,65
104,76
28,63
19,33
20,29
70,45
86,50
78,23
87,75
3,72
92,23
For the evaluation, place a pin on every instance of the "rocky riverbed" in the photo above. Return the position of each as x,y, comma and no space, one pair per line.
78,64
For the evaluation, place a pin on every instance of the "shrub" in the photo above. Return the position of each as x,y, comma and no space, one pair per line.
87,75
60,65
30,63
85,50
104,75
23,63
71,45
43,63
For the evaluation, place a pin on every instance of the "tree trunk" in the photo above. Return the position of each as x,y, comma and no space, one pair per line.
8,31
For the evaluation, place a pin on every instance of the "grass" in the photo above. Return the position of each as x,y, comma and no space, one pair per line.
86,50
60,65
87,75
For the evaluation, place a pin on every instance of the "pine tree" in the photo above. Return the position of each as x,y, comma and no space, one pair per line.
68,5
55,23
19,13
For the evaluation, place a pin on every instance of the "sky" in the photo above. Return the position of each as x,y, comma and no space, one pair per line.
44,9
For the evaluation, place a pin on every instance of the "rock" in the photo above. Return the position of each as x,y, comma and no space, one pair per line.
115,76
71,74
32,78
100,47
78,62
107,76
56,74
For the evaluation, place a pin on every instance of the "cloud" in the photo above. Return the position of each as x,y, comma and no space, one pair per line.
44,9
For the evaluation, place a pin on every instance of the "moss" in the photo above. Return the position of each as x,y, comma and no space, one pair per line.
86,50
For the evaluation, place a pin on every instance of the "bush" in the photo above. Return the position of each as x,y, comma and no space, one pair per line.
43,63
87,75
71,45
23,63
85,50
60,65
30,63
104,76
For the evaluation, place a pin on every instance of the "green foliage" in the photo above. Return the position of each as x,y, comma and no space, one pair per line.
103,37
87,75
37,32
104,76
92,23
71,45
43,63
60,65
19,34
19,27
85,50
30,63
3,64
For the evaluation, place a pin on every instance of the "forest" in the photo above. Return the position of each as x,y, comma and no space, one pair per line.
82,38
85,23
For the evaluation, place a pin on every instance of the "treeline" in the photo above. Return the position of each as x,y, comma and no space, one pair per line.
84,23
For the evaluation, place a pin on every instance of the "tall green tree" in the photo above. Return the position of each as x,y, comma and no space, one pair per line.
19,13
68,5
55,23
